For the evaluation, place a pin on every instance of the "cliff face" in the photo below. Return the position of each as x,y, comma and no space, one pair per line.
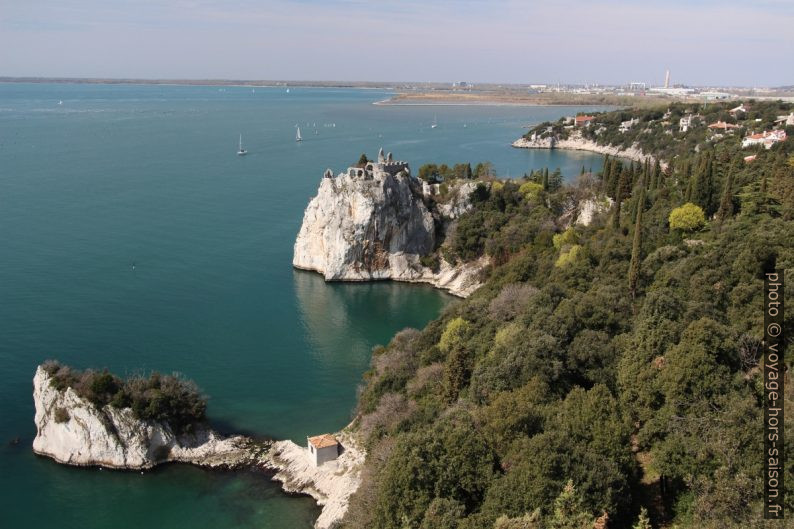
361,228
577,143
72,430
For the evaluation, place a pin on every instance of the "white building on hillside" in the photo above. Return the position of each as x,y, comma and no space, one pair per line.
766,138
785,120
626,125
687,122
322,448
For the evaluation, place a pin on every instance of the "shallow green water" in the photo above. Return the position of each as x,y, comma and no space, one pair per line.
148,175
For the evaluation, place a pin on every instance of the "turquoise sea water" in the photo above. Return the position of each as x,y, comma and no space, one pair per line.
148,175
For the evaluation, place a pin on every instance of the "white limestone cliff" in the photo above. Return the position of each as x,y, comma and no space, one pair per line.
72,430
577,143
373,225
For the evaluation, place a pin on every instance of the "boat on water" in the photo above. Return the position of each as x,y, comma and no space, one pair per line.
298,134
60,101
240,150
435,122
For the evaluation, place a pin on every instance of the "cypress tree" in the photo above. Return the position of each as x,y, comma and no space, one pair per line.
546,179
616,209
657,175
634,266
726,203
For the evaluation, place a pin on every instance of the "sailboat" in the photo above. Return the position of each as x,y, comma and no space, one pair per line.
435,122
298,135
240,150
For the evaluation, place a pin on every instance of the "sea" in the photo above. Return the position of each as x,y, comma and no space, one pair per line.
133,238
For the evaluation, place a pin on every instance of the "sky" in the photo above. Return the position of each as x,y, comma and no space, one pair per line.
702,42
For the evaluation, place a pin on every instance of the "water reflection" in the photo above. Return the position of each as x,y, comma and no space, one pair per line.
344,320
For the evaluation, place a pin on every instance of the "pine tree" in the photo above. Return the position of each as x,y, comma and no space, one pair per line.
636,246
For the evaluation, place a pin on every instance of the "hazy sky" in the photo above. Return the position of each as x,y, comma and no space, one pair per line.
747,42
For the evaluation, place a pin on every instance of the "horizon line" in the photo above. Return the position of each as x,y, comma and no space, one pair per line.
299,82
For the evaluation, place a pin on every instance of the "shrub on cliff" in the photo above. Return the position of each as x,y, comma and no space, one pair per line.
168,399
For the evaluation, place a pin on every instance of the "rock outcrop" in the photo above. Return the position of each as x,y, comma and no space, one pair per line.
330,484
583,211
72,430
576,143
378,222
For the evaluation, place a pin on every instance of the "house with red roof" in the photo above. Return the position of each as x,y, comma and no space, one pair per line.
583,121
766,138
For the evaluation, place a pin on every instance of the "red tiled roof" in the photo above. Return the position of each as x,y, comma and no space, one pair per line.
323,441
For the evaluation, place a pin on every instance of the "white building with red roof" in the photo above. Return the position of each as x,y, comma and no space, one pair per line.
583,121
322,448
766,138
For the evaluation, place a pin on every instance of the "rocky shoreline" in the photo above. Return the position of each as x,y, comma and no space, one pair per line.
73,431
331,484
577,143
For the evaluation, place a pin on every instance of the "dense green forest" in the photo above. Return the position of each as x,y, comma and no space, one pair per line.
605,375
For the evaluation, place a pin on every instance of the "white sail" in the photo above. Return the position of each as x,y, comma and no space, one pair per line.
298,135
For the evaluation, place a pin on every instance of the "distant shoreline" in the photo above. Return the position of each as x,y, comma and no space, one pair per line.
199,82
394,102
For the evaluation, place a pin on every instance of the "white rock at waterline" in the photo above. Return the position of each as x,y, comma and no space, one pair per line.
114,438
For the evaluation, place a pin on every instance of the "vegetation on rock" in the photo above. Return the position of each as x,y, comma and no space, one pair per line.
167,399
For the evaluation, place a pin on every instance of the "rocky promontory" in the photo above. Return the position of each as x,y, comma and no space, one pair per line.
330,484
577,143
72,430
75,427
378,222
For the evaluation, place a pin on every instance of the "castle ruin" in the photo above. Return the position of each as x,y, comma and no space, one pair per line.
385,165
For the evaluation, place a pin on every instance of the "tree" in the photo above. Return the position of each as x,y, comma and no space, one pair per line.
363,160
643,522
726,202
616,210
568,511
457,367
484,170
449,460
530,190
636,245
688,217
